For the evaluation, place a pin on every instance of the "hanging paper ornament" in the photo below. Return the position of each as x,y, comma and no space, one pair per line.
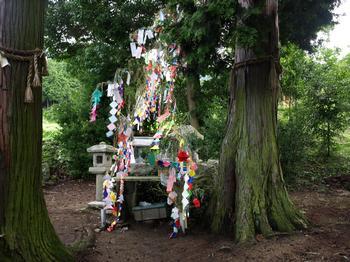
190,186
115,90
93,114
105,193
95,100
183,156
171,198
96,96
3,60
176,224
196,203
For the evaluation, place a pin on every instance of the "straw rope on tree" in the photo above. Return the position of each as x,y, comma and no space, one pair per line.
36,59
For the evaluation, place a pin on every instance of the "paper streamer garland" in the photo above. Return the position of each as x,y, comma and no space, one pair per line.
160,80
160,71
157,99
183,170
115,91
120,169
141,39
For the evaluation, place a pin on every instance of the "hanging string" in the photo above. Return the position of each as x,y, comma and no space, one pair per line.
34,74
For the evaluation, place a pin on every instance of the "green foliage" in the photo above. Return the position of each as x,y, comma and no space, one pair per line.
59,86
54,165
296,66
246,36
200,28
343,144
73,25
212,109
64,149
314,113
77,133
326,100
213,129
94,36
301,20
151,192
77,136
295,141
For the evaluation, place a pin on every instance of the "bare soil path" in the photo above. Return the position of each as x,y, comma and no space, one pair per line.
327,240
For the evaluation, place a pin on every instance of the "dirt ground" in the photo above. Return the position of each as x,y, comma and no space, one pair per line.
327,240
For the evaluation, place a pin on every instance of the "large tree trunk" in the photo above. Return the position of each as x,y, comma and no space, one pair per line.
26,233
251,197
192,85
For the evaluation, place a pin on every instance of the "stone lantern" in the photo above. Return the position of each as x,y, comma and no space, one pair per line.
102,162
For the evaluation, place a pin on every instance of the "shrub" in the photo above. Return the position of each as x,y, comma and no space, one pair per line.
54,166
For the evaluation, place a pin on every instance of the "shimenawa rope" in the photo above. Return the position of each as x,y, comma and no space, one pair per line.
32,57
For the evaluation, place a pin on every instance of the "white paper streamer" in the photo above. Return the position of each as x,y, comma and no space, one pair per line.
140,37
3,61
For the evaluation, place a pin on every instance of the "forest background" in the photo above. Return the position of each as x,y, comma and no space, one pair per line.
88,40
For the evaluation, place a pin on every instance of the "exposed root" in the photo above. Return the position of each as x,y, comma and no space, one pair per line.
85,241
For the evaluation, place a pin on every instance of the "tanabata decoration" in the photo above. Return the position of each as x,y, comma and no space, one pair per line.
196,203
121,166
115,91
119,128
182,174
157,97
95,100
156,101
139,41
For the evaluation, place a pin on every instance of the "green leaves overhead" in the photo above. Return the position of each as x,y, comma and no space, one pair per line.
72,25
301,20
317,88
205,29
201,28
59,85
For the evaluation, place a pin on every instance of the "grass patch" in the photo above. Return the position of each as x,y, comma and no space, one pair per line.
343,144
312,172
50,126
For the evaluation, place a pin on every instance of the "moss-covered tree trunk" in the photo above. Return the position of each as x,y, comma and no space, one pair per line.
251,196
26,233
192,84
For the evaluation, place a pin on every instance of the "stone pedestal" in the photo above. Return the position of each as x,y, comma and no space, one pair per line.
100,172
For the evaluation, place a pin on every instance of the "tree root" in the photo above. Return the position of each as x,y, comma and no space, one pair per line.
85,241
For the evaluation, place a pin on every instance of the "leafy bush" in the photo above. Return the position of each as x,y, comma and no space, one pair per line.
295,141
326,100
70,110
213,129
54,165
316,113
212,110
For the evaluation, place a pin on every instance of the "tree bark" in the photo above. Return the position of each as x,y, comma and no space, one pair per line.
26,233
192,84
251,197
